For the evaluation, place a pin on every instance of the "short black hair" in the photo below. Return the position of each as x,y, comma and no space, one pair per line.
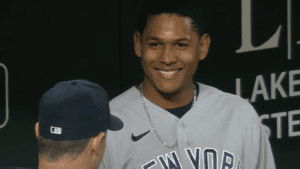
54,150
188,8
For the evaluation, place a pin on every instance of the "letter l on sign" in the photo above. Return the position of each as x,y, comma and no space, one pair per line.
246,32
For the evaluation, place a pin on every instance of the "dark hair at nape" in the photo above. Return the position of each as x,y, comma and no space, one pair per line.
188,8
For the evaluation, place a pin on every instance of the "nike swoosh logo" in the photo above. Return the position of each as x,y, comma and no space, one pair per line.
137,138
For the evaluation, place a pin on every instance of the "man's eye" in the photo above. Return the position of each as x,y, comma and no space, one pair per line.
181,45
153,44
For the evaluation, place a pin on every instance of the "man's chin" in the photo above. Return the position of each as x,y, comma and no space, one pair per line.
168,89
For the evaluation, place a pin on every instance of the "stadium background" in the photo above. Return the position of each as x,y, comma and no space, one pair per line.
44,42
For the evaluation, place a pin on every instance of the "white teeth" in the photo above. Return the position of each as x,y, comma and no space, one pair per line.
168,72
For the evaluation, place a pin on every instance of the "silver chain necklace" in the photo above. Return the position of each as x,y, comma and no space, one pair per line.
150,120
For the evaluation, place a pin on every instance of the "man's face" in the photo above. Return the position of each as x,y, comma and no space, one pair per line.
170,49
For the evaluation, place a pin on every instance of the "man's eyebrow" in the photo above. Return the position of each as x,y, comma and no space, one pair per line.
176,40
152,38
183,39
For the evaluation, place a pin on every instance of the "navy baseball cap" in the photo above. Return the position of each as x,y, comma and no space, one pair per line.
76,109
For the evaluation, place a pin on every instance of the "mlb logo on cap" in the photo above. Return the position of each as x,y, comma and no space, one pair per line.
80,107
55,130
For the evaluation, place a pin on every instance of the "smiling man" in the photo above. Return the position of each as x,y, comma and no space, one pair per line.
173,121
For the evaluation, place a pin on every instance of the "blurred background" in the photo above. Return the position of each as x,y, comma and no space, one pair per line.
45,42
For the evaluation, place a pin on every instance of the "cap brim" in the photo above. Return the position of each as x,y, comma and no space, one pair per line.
115,123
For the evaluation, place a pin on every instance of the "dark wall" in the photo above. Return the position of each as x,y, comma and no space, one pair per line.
258,66
43,42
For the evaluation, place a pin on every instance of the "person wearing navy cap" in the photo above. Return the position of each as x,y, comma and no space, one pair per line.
73,120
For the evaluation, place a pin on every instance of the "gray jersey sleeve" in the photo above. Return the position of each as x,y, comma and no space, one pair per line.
265,159
257,153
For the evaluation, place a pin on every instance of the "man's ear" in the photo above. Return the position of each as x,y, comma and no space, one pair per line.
204,46
97,143
137,40
37,129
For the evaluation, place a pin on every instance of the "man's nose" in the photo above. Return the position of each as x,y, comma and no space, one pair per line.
168,56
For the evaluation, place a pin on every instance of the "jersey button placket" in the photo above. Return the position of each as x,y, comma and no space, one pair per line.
182,127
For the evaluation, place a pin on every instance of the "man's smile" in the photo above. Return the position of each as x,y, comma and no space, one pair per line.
168,74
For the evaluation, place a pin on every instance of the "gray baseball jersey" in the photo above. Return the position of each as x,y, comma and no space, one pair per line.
221,131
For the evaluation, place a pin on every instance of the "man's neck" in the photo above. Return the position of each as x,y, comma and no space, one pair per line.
169,101
63,163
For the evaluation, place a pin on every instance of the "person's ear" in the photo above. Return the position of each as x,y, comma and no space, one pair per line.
137,40
204,46
37,129
98,143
